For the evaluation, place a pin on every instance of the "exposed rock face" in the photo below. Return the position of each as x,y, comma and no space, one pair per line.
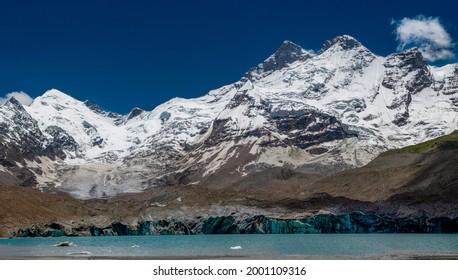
345,42
61,140
307,128
134,113
23,146
406,74
21,129
451,83
92,132
286,54
96,109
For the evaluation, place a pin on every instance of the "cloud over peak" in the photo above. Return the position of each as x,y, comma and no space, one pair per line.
20,96
426,33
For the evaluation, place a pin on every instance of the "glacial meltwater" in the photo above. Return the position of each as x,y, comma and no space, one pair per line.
273,246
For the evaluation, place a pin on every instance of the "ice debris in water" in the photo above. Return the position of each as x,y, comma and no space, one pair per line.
83,253
64,244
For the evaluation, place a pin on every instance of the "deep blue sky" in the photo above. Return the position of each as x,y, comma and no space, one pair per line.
122,54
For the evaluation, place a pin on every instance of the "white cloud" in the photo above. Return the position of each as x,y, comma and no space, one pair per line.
426,33
20,96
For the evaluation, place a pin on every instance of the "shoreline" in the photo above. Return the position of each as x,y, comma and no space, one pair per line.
451,256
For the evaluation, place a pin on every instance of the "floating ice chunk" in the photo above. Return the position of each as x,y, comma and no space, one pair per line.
236,248
82,253
64,244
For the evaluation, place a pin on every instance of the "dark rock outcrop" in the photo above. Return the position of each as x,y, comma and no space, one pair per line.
61,140
287,53
135,112
345,42
398,68
307,128
21,140
451,83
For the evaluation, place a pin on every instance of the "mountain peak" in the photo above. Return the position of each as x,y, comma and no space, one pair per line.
288,46
414,52
56,94
345,42
287,53
13,102
134,112
413,58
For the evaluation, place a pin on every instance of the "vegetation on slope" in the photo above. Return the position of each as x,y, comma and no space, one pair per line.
444,142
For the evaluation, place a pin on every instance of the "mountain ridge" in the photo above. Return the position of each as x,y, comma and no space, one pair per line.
317,113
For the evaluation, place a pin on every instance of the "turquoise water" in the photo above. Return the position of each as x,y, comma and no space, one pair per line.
319,246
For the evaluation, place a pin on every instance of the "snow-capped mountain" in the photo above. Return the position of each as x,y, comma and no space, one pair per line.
313,112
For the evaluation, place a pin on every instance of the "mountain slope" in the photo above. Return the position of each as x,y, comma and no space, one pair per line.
419,179
407,190
314,113
22,144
